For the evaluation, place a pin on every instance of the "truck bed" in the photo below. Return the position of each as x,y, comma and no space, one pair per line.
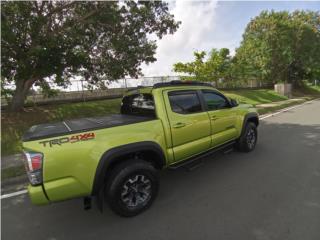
48,130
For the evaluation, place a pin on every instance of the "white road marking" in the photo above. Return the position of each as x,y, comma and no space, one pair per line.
9,195
69,129
285,110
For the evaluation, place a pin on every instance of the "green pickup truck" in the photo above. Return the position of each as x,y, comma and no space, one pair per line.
116,158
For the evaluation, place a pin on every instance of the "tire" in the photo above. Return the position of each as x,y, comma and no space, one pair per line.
132,187
248,139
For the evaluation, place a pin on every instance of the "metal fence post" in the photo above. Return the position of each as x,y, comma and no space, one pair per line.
83,99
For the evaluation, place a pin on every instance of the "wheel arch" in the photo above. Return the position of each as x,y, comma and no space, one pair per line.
114,156
250,117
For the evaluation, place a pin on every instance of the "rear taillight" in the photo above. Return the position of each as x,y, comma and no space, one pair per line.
33,164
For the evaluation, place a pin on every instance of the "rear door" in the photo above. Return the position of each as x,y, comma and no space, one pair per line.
222,117
189,123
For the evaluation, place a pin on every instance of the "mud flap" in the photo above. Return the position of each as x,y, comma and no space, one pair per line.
100,199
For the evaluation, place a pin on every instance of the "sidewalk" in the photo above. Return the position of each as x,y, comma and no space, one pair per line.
275,104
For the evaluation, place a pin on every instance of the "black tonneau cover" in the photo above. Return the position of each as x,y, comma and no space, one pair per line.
80,125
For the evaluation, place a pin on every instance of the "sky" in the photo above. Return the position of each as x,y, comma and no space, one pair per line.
210,24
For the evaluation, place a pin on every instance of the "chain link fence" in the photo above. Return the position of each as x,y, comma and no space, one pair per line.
79,90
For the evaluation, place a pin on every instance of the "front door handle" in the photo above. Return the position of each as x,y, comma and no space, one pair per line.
179,125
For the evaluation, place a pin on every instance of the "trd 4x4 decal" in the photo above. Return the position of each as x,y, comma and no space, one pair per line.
71,139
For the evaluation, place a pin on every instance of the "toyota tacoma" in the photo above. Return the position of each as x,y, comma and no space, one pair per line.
116,158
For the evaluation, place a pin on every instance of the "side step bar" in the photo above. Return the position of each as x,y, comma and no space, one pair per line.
191,161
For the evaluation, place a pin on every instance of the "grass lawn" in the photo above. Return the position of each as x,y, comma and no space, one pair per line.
15,124
255,97
316,88
308,91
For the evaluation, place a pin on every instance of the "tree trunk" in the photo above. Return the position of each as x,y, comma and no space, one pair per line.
20,95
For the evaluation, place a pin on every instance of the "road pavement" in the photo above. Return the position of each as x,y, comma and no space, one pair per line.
271,193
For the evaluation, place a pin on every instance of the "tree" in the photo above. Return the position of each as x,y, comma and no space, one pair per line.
55,40
215,67
281,47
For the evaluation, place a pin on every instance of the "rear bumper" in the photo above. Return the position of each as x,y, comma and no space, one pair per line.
37,195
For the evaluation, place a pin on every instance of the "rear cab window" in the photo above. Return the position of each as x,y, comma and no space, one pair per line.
140,104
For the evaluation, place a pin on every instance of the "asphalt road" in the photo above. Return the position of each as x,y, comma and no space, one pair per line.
271,193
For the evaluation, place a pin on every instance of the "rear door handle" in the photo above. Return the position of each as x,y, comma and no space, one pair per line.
179,125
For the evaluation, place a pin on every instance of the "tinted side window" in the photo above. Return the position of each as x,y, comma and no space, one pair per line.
185,102
215,101
138,104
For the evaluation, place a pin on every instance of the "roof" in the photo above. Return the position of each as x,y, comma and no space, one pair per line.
181,83
166,85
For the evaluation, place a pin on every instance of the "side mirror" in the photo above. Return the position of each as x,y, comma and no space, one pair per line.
233,102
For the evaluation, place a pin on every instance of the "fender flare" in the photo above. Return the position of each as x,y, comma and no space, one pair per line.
112,155
249,116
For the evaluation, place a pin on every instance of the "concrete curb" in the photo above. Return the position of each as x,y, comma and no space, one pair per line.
15,180
11,161
276,104
14,184
285,109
